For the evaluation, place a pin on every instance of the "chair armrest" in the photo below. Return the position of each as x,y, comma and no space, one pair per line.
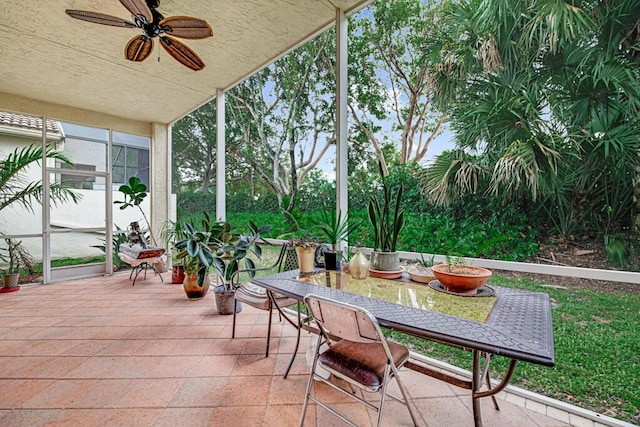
251,271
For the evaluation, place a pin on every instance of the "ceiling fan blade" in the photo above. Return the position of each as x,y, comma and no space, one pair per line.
138,8
100,18
186,27
138,48
182,53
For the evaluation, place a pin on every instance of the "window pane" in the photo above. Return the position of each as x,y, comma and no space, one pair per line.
132,157
89,211
85,147
117,156
133,172
118,175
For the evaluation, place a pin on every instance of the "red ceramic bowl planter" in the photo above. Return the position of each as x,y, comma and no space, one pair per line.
461,279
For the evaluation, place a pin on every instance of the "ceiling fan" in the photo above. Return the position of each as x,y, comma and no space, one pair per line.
145,16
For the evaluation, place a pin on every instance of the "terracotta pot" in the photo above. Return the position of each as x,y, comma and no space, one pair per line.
177,274
306,259
225,301
461,279
191,287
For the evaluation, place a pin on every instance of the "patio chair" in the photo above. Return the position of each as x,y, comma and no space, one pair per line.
139,255
262,299
355,352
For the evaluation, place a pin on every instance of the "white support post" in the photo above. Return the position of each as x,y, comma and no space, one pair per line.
221,203
108,209
160,178
46,211
342,199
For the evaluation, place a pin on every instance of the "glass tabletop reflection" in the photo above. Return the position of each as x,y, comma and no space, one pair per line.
408,293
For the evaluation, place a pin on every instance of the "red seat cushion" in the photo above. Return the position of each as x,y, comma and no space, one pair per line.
362,362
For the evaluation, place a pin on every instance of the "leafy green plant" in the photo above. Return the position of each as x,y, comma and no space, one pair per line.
616,250
387,219
335,227
195,253
454,262
134,194
425,262
230,254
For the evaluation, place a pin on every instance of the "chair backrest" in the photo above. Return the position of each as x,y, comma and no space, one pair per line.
289,258
343,320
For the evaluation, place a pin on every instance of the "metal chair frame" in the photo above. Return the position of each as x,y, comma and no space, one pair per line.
336,328
287,260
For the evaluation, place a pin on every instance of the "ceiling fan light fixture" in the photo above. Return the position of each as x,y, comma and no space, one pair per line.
153,24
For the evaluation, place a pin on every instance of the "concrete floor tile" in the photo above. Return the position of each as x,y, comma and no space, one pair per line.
151,392
299,366
200,392
192,417
288,391
356,412
28,417
289,415
241,391
16,392
214,366
173,366
238,416
221,346
60,394
254,364
102,394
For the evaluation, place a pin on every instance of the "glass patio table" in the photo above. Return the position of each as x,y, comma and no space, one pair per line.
508,322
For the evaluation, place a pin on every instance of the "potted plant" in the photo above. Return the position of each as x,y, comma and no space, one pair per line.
458,277
232,251
197,257
170,233
420,271
335,228
387,219
12,258
306,251
134,194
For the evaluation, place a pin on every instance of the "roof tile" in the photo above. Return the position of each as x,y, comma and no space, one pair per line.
27,122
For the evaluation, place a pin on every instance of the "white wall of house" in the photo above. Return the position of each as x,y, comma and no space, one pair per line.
88,213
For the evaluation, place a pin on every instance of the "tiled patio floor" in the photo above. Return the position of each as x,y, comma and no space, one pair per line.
101,352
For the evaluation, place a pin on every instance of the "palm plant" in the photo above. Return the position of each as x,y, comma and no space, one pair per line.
335,227
548,94
14,187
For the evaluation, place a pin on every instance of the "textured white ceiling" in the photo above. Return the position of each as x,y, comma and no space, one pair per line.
48,56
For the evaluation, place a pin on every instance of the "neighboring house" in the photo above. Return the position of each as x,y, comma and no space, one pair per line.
88,149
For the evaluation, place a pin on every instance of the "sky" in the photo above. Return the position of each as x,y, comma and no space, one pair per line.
444,141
